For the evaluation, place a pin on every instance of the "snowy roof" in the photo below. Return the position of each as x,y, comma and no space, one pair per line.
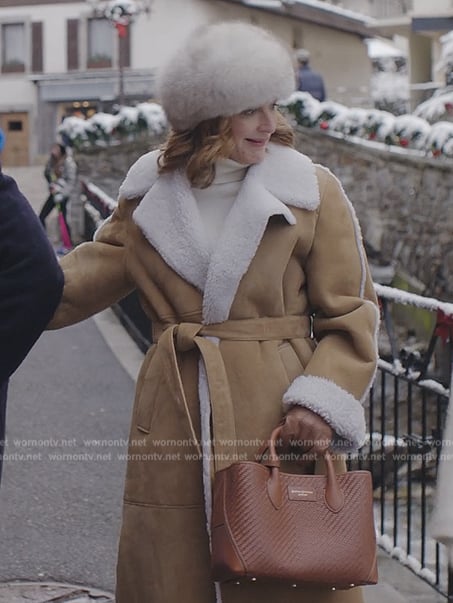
330,8
316,11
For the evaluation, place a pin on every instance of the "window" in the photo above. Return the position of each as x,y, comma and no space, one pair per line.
15,126
100,43
13,47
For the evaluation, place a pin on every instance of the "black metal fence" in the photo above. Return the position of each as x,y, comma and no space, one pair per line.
97,207
405,422
406,415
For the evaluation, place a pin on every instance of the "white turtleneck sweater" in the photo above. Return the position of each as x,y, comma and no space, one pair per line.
216,201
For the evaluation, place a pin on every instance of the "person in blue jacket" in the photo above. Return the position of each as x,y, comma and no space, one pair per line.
31,284
2,141
307,79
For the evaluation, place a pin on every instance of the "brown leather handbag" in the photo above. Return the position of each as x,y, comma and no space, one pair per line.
296,529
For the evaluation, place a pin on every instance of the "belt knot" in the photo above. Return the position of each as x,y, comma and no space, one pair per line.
185,333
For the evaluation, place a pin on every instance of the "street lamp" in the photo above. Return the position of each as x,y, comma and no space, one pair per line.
121,14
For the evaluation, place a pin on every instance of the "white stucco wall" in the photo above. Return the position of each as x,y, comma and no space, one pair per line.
432,7
155,35
54,18
341,58
16,94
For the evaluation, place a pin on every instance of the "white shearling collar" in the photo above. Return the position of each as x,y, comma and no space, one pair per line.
141,176
289,176
168,216
286,173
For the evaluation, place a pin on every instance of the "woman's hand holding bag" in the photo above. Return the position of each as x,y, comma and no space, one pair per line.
306,431
295,529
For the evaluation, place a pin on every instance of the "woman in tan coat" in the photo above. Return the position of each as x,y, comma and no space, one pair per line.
248,259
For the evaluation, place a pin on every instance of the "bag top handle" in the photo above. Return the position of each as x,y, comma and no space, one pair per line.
333,493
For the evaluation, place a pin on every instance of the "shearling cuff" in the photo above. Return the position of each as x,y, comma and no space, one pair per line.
335,405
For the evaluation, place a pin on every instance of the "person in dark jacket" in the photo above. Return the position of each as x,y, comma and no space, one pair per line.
60,173
307,79
31,284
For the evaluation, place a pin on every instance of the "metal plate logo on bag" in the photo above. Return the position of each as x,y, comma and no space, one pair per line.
299,494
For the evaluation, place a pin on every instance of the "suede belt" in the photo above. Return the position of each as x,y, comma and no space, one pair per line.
185,336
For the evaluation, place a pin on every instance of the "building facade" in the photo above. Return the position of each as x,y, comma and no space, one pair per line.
421,26
60,57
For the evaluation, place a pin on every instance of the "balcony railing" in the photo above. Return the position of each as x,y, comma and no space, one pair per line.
405,412
386,9
382,9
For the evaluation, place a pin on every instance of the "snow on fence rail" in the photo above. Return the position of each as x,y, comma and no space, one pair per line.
404,297
410,407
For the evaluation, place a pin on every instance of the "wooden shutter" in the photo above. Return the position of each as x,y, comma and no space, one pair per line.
72,31
125,48
37,60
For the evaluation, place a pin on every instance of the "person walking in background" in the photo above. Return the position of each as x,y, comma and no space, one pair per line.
307,79
31,283
249,262
60,173
2,142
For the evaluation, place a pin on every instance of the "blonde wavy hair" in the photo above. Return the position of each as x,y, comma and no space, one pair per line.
197,150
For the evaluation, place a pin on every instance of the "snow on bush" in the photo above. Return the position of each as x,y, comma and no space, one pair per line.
379,126
304,107
103,129
73,131
117,9
440,139
437,108
120,11
329,111
411,131
350,122
407,131
153,116
101,125
390,92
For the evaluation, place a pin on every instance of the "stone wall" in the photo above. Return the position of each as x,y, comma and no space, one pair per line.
404,201
107,166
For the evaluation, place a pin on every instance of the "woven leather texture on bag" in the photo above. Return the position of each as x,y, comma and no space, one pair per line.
303,541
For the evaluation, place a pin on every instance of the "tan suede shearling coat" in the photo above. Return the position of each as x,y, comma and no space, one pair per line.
282,312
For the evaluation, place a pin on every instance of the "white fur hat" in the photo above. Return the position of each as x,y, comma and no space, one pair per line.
223,69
